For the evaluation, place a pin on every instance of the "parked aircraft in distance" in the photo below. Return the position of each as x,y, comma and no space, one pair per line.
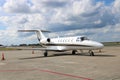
65,43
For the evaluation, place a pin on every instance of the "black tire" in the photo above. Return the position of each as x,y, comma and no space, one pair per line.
91,53
45,54
73,52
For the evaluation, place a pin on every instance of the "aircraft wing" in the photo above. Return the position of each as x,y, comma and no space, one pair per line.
49,48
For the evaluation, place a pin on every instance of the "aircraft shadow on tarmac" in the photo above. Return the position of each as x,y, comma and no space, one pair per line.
67,54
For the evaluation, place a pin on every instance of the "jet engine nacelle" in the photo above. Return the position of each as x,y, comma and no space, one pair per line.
48,40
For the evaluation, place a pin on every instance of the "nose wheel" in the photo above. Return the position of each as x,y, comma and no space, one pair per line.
91,53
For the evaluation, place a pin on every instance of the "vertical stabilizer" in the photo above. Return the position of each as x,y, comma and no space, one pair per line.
40,35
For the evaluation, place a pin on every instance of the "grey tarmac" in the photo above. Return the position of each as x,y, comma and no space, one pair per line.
23,65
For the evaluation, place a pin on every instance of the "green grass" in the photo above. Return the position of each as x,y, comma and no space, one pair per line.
5,49
111,43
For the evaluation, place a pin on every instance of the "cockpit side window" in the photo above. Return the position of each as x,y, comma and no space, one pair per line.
81,39
84,38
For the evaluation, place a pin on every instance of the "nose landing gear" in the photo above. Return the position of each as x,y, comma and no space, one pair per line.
91,53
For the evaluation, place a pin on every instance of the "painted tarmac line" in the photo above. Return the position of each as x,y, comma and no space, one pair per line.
47,71
68,75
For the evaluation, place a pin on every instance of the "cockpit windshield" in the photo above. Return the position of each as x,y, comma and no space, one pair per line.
81,39
84,38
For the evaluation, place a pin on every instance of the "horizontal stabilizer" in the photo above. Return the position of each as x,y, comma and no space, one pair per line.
33,31
38,32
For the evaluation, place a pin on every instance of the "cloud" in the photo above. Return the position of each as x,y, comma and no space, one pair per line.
64,17
54,3
15,6
116,6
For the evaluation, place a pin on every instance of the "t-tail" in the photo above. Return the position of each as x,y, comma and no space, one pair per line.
39,33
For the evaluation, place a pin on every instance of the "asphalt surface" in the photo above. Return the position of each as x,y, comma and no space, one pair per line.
23,65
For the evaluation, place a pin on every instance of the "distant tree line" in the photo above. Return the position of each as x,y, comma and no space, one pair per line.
29,45
111,43
1,45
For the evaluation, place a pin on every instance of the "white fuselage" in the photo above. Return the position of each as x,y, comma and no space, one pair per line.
71,43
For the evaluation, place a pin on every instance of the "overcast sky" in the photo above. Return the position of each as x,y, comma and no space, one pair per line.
97,19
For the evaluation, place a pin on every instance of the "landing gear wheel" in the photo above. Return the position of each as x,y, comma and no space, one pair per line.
91,53
74,52
45,54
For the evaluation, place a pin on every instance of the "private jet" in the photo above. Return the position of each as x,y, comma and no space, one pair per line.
62,44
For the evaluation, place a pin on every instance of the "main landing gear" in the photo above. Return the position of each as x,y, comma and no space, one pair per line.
74,52
45,54
91,53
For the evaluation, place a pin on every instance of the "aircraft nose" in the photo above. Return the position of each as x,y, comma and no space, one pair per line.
99,45
94,44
